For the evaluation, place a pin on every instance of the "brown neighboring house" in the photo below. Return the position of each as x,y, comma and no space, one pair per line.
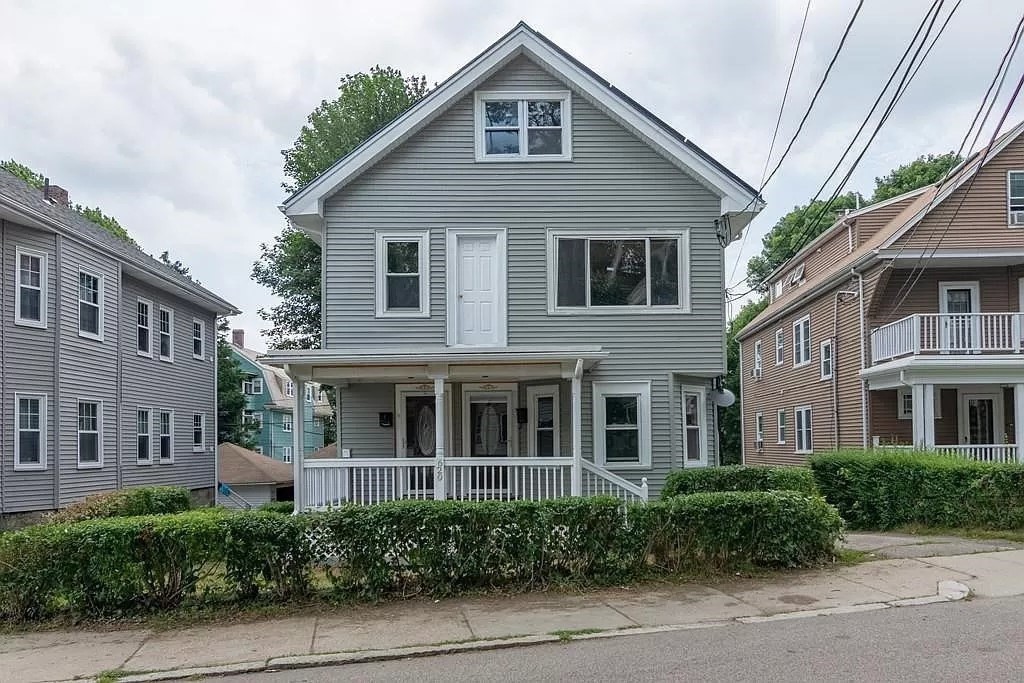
254,479
901,325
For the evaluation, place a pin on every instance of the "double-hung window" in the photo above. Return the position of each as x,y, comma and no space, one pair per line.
616,273
165,421
780,347
289,389
804,443
198,339
758,361
286,423
198,432
286,453
309,393
622,424
30,440
143,435
759,431
825,359
403,274
781,422
695,451
166,334
523,126
542,421
252,418
905,403
252,386
30,284
90,305
802,341
1015,197
144,326
90,421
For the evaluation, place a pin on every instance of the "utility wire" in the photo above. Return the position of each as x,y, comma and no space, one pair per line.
913,66
778,123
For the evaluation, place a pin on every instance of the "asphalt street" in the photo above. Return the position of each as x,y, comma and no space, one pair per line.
971,640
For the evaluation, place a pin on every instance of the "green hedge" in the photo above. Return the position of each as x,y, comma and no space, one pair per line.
884,490
147,500
739,478
114,566
284,507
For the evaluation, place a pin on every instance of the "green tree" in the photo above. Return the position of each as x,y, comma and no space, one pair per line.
290,266
36,180
230,399
177,266
924,170
729,418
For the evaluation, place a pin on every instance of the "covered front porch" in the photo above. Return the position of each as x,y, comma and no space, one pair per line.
973,408
451,424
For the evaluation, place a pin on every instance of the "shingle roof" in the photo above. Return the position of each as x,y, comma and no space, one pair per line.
23,196
237,465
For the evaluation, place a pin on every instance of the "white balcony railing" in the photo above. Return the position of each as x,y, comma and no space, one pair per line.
982,452
948,333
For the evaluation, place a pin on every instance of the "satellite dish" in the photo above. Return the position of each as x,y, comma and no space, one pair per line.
723,398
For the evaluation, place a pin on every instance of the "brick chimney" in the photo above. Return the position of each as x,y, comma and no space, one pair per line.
238,338
55,194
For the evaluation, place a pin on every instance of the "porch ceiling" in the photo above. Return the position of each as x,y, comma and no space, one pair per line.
417,364
951,369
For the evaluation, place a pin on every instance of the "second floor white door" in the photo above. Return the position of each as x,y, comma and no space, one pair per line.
479,298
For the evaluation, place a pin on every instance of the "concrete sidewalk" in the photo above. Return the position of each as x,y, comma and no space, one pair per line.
399,629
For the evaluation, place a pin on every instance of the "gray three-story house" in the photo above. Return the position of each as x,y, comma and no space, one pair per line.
108,360
523,291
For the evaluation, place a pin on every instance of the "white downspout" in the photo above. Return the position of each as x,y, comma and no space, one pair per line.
863,363
576,484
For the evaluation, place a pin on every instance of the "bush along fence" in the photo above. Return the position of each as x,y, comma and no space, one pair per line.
884,490
115,566
739,478
146,500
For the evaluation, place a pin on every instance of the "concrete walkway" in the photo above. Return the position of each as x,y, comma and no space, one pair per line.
420,627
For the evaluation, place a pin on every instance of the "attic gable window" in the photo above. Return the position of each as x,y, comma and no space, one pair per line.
523,126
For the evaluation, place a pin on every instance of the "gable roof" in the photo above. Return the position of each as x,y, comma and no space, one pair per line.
24,204
739,201
276,379
237,465
927,199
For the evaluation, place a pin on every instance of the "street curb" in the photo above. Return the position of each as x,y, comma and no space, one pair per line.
947,591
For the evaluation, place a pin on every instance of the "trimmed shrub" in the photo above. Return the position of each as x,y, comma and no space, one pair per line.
111,566
739,478
147,500
883,490
283,507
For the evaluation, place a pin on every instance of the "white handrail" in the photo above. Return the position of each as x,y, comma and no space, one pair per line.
1000,453
948,333
598,481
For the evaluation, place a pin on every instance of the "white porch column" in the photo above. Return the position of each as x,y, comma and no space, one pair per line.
576,484
1018,419
923,398
299,441
440,437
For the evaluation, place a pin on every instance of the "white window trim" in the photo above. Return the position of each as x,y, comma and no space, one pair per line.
307,390
149,427
780,347
43,432
781,424
758,360
44,268
777,289
759,431
287,420
532,394
643,391
382,237
901,392
702,424
98,465
682,235
1008,198
201,339
159,437
202,418
289,389
808,420
481,96
149,326
798,348
286,453
160,333
831,360
257,386
508,391
501,276
101,280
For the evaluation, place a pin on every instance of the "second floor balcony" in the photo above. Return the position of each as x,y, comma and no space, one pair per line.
948,334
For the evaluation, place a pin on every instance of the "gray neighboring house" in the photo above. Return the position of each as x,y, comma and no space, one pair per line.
108,359
523,291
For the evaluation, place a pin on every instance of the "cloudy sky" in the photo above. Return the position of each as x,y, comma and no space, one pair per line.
171,115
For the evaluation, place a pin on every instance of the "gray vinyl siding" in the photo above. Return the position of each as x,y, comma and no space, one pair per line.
360,423
615,181
254,495
185,386
28,367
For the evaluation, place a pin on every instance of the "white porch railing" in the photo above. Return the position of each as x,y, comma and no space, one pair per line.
983,453
507,478
598,481
933,333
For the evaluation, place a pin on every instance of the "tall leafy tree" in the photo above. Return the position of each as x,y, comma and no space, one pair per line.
290,265
230,399
924,170
729,418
